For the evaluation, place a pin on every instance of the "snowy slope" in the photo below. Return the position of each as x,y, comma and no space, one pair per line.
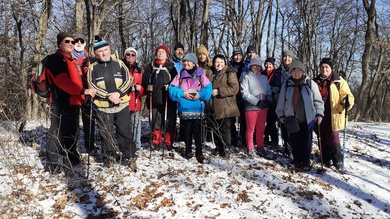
170,186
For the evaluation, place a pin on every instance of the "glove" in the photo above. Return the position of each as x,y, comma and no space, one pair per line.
263,104
345,102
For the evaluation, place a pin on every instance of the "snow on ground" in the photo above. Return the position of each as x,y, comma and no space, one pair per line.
169,186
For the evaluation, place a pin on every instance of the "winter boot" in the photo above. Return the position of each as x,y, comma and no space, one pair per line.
168,139
157,138
133,164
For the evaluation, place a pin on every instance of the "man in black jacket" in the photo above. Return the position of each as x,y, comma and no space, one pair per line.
112,82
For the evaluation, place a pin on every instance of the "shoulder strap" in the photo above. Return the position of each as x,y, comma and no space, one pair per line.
337,85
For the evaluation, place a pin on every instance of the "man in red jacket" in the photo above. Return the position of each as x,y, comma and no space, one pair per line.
66,98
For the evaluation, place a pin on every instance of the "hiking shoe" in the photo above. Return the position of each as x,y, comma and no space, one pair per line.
109,161
52,168
262,152
133,164
188,155
337,165
200,158
225,154
252,153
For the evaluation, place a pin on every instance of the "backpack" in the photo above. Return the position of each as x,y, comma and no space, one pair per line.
39,81
197,77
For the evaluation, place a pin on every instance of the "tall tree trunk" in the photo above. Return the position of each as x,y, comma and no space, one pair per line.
369,39
205,21
43,27
182,22
79,15
120,26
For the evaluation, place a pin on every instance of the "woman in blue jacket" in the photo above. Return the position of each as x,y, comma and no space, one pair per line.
190,89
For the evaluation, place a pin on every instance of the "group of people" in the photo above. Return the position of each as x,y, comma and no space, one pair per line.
201,92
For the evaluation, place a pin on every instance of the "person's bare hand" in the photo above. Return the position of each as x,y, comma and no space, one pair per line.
195,96
188,96
150,88
215,92
114,97
319,120
90,91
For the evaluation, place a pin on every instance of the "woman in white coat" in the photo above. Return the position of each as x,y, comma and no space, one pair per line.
299,106
257,94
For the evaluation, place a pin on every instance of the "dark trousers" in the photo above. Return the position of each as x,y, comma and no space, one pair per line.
63,133
116,134
192,129
330,142
241,108
223,139
88,125
301,143
286,139
233,131
270,129
159,120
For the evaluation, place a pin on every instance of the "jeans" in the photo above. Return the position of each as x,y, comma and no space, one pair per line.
135,126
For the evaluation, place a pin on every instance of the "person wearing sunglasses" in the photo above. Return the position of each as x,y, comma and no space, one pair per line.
82,61
67,95
136,93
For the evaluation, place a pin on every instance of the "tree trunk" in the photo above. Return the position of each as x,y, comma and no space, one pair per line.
369,39
182,22
79,15
205,21
43,27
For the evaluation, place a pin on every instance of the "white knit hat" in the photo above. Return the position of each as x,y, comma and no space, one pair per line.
132,50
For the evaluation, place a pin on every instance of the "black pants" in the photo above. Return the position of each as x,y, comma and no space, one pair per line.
301,143
116,134
270,129
286,139
88,125
63,133
223,139
192,129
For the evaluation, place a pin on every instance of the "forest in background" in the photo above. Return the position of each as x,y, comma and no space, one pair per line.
354,33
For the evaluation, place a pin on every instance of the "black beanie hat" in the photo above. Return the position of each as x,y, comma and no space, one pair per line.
270,60
237,50
178,45
327,61
251,48
61,36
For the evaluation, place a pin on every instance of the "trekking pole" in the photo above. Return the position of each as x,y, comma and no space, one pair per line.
345,130
202,130
135,117
320,146
90,134
165,123
151,122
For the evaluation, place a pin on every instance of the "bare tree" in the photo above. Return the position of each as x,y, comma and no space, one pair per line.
369,39
205,21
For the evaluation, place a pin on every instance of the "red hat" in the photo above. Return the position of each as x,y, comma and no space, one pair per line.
164,47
